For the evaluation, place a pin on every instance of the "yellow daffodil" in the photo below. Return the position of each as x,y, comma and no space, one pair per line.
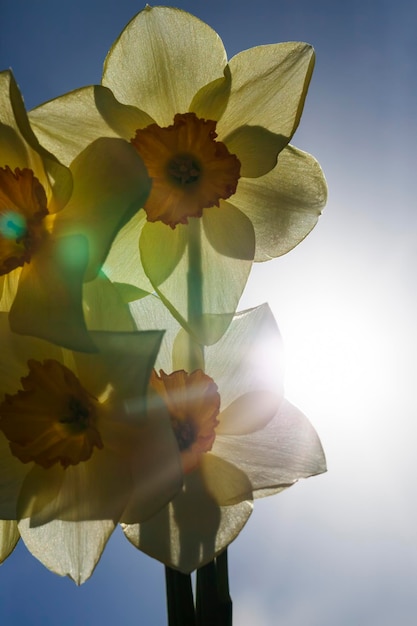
227,187
78,450
57,224
238,437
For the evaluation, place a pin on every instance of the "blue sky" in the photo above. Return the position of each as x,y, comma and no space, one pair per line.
339,549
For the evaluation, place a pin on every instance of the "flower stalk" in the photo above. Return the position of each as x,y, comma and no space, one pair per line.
180,602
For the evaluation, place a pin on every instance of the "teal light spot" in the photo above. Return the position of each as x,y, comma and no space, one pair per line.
12,225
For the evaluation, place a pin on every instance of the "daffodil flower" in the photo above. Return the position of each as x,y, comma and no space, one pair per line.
57,224
227,187
238,437
79,451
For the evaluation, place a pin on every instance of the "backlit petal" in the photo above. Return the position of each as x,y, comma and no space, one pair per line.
285,204
19,146
68,548
123,264
269,85
286,450
66,125
226,253
156,468
192,530
249,357
134,353
9,536
160,61
48,300
12,475
110,185
97,489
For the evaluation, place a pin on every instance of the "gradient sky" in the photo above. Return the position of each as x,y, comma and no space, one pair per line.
339,549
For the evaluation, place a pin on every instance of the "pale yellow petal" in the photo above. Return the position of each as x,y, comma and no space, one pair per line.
226,483
9,536
248,413
66,125
67,548
285,204
225,260
161,60
12,475
269,85
19,146
123,262
192,530
111,184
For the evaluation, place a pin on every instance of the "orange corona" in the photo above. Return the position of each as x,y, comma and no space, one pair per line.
190,170
53,419
23,207
193,403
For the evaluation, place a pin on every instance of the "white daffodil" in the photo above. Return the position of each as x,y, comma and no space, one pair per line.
238,437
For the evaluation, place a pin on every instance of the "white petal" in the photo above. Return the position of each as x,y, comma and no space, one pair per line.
286,450
249,357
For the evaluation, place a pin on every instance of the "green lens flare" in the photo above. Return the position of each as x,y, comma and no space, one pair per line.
12,225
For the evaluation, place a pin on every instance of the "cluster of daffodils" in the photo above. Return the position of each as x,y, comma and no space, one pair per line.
132,392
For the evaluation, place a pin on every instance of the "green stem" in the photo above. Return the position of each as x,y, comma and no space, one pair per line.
195,274
207,596
195,292
180,601
225,601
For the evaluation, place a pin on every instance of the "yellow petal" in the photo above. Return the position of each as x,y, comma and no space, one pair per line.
156,468
67,548
227,248
285,204
97,489
104,308
226,483
160,61
68,124
123,262
19,146
48,303
110,185
12,475
192,530
248,413
9,536
256,148
269,85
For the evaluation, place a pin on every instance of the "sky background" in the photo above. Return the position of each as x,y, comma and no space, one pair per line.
338,549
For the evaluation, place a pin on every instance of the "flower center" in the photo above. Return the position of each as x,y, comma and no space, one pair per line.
22,209
190,170
52,419
193,403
